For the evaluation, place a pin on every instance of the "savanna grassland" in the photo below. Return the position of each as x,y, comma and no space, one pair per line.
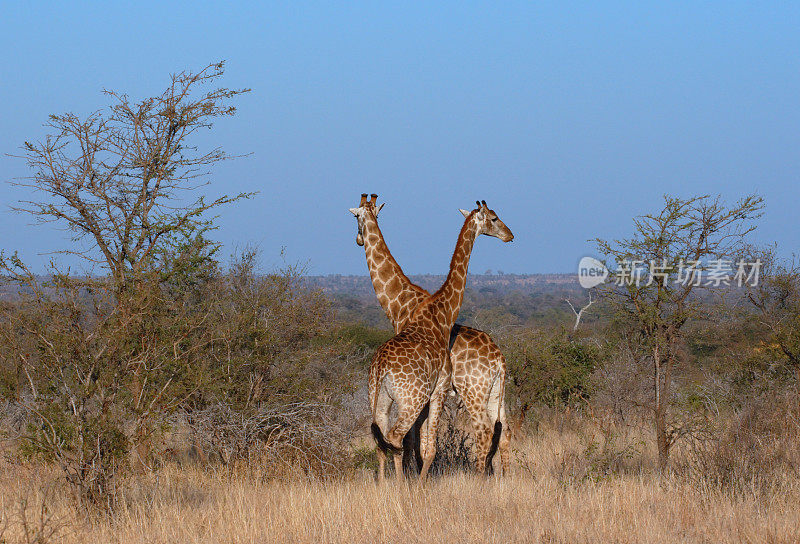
547,498
267,439
177,395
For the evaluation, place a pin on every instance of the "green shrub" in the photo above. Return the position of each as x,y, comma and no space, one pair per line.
548,367
359,334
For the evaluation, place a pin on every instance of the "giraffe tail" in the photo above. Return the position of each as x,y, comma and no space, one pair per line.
498,431
382,443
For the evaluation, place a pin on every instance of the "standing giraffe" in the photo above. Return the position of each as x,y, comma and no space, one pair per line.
413,368
478,365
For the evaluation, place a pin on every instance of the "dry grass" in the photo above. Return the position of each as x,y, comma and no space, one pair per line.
548,498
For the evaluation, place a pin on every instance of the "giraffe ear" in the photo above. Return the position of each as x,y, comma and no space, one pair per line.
464,212
354,211
379,209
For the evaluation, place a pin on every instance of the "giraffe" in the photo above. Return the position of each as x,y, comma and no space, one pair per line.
413,368
478,365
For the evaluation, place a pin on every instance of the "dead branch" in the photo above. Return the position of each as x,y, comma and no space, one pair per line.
579,314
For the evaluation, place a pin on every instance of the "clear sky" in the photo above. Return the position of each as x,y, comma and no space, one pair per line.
567,118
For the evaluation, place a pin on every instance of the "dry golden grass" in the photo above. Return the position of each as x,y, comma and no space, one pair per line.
535,504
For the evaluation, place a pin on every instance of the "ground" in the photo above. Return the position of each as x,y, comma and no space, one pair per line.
542,501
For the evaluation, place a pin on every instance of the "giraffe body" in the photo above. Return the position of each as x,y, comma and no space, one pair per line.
478,376
478,365
475,366
412,370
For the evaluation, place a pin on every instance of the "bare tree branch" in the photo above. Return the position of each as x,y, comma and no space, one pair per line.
579,314
119,177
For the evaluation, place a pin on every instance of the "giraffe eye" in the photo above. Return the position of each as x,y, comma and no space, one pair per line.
494,219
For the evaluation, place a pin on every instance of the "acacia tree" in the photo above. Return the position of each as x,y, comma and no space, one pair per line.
119,178
687,238
98,358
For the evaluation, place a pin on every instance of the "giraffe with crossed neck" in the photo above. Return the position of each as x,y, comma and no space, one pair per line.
413,368
478,365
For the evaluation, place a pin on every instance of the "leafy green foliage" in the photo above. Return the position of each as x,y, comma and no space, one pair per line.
362,335
548,367
654,305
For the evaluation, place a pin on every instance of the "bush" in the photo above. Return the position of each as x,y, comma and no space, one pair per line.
100,381
275,441
547,367
751,448
359,335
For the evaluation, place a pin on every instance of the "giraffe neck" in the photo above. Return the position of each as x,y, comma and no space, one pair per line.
396,293
451,294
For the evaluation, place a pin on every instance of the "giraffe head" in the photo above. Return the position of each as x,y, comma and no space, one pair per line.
488,223
365,207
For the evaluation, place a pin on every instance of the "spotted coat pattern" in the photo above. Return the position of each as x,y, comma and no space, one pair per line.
478,365
413,368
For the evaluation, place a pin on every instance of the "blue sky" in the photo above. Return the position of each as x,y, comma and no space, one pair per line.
567,118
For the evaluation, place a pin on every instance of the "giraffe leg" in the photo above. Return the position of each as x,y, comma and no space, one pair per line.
398,467
407,415
505,438
483,440
423,437
412,444
436,403
381,465
383,406
475,395
422,432
495,412
483,431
